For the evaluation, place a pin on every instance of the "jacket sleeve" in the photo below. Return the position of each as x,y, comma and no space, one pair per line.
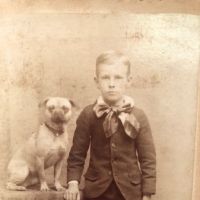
80,145
146,155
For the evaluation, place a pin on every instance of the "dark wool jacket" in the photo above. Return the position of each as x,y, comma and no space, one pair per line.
131,163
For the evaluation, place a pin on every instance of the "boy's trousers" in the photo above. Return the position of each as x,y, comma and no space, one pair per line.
112,193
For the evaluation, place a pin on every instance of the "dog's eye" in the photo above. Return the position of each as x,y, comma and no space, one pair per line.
51,108
66,109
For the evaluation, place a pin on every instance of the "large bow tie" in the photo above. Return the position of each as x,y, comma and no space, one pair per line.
114,114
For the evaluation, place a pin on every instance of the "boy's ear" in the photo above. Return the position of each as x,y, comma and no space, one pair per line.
129,80
96,81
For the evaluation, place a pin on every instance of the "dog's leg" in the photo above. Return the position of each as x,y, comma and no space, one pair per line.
57,172
13,186
41,173
17,173
31,180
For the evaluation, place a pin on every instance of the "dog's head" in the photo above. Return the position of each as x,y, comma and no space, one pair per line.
57,109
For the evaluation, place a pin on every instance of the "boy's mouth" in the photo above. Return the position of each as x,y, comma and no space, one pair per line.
112,92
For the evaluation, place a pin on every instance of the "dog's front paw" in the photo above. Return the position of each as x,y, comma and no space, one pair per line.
44,187
59,187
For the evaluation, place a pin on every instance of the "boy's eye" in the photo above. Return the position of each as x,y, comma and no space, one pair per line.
118,77
105,77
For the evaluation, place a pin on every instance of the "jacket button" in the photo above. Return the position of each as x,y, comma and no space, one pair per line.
113,145
109,173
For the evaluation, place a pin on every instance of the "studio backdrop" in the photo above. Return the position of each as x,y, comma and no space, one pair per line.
53,54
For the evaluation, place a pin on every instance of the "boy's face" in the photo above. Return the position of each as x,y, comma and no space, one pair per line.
112,80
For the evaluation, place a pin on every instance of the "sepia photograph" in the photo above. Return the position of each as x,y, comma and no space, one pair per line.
99,100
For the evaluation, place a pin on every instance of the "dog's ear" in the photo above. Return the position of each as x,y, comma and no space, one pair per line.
43,103
73,103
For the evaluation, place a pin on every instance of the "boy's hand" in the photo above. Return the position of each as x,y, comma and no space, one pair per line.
72,193
146,197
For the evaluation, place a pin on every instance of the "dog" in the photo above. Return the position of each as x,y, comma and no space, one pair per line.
43,149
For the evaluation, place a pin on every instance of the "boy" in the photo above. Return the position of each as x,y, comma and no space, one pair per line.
122,162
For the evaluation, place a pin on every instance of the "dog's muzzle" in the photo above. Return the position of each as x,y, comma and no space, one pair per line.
58,117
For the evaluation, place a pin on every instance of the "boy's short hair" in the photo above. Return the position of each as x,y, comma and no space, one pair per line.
110,57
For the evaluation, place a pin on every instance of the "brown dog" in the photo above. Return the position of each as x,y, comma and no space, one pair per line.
44,149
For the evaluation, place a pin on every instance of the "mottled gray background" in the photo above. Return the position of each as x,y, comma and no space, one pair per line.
49,49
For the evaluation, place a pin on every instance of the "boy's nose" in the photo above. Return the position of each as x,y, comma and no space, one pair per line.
111,83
